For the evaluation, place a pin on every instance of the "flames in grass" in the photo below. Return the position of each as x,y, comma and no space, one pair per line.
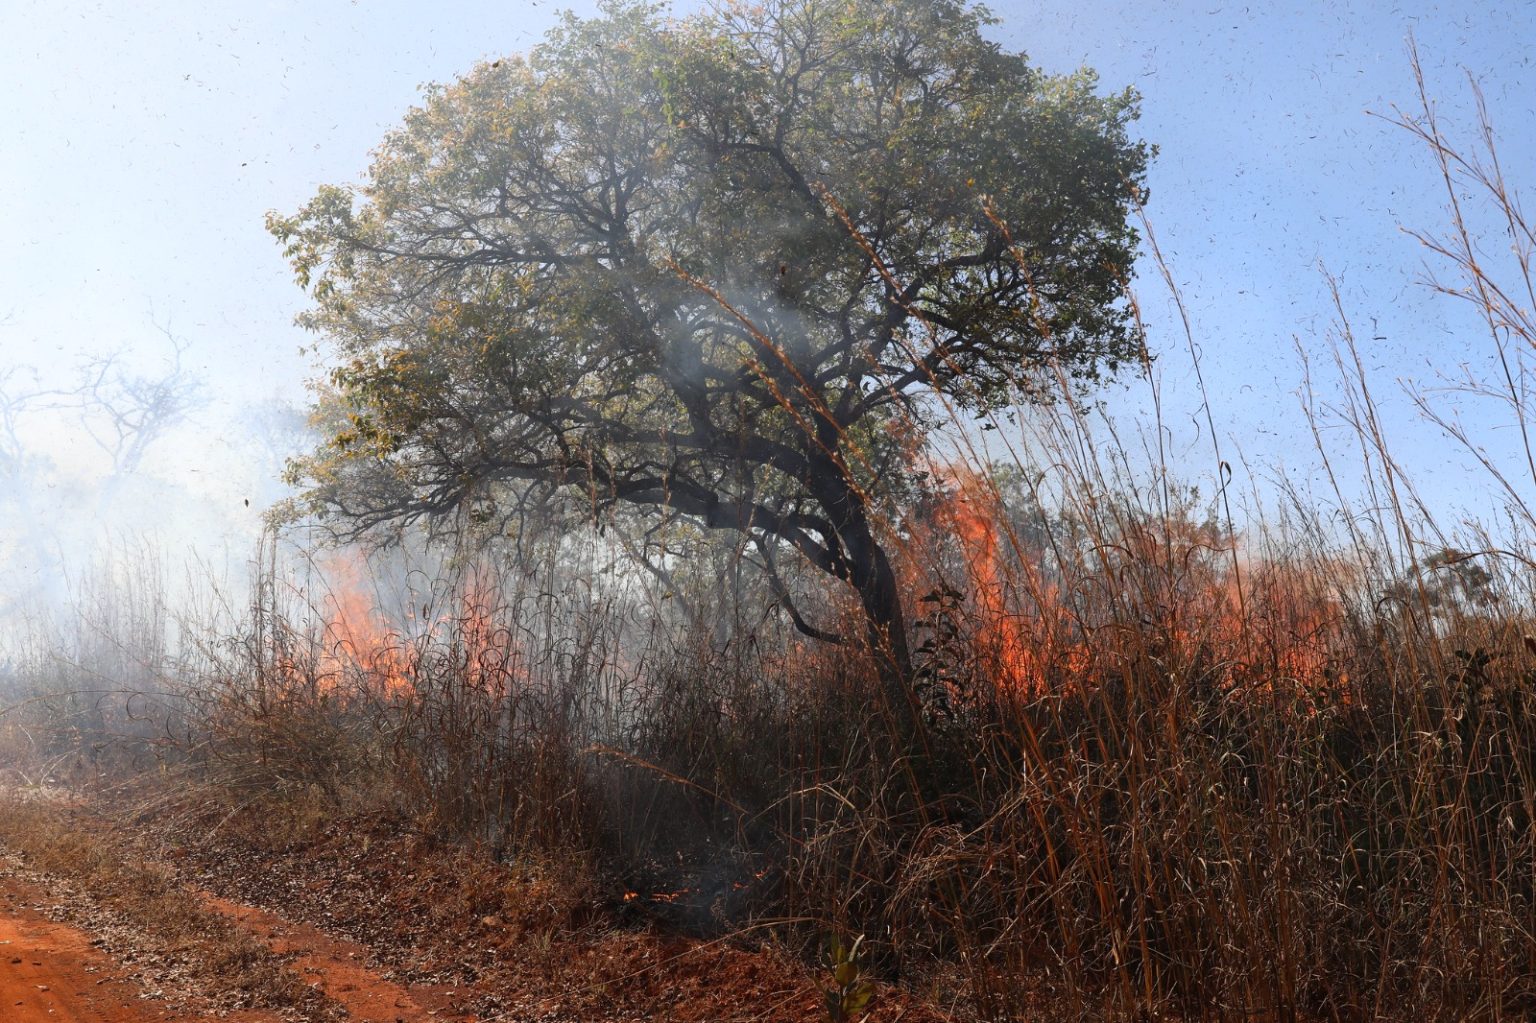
355,640
1044,606
364,649
1039,606
1023,631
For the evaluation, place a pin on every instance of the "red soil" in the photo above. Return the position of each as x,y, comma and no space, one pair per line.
395,930
335,965
51,973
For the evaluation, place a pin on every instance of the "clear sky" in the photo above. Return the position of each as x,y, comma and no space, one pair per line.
145,142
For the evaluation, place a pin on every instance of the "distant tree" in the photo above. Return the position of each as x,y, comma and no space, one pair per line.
1446,580
20,400
125,413
726,267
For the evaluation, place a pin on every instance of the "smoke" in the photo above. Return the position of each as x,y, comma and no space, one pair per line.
106,453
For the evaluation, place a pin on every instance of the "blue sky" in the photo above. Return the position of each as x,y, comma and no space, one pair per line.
1277,164
145,143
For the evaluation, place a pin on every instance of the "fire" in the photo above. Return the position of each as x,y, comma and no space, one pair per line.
1171,590
976,526
757,875
356,642
487,653
1024,633
670,897
664,898
361,649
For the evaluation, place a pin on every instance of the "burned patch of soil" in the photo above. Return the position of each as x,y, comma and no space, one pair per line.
456,934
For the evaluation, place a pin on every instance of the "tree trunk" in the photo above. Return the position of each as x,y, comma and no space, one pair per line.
887,627
881,599
871,575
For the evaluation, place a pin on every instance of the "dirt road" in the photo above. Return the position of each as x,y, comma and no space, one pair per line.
335,966
51,973
54,973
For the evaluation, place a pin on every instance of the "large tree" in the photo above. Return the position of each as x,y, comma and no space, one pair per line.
720,267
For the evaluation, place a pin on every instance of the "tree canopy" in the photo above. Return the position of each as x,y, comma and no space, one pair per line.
725,267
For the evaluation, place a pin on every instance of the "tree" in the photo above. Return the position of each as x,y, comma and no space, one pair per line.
126,413
727,267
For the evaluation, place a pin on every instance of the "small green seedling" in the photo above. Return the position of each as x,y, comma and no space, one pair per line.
849,998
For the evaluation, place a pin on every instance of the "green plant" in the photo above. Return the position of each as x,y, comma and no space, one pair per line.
851,993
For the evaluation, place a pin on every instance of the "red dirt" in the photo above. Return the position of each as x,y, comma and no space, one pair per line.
335,966
393,929
484,940
51,973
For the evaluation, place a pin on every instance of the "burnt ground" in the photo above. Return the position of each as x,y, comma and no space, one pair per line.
392,927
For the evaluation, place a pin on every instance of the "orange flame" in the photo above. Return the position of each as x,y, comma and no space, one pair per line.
1171,590
357,645
362,651
1024,633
